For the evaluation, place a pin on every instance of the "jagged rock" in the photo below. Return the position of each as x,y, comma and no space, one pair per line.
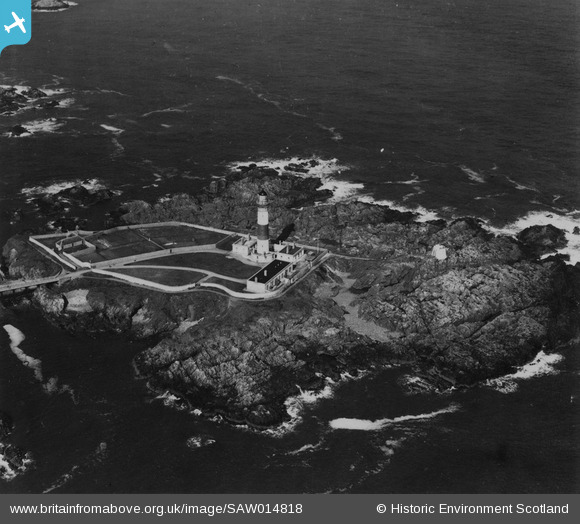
78,195
14,460
49,5
51,303
256,358
543,239
23,261
33,92
234,206
95,307
10,100
18,130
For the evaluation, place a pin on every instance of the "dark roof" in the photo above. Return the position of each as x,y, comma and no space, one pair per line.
262,193
269,272
292,250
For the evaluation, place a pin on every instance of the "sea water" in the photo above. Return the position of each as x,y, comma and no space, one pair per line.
446,107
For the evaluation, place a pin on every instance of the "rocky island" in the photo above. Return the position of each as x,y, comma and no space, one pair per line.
51,5
380,299
12,99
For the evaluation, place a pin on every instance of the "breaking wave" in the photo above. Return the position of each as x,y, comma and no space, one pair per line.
543,364
16,338
375,425
92,184
567,222
92,460
114,130
474,176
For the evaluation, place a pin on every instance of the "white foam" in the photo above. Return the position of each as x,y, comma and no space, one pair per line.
92,184
411,182
341,190
52,387
16,338
91,461
178,109
310,397
323,169
7,472
305,448
67,2
567,222
474,176
335,135
295,405
199,442
390,446
424,214
111,91
114,130
18,89
375,425
543,364
521,187
52,92
50,125
65,102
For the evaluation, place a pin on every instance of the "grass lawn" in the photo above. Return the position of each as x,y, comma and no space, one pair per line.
180,236
210,261
234,286
168,277
117,244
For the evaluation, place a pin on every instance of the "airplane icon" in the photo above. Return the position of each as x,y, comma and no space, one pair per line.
18,22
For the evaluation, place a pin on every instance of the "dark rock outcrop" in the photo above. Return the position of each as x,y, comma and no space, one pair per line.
23,261
11,99
259,354
234,207
95,307
18,130
77,195
49,5
16,459
540,240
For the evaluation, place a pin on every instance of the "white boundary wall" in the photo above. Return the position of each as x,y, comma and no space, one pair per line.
180,289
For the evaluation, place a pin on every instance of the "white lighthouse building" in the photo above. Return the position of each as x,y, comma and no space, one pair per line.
263,244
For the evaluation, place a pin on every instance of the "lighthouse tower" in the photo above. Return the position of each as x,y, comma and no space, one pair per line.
263,245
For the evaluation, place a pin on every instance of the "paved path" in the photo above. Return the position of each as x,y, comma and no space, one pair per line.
107,268
182,268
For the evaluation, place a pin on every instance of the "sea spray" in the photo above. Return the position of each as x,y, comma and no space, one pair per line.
51,386
91,461
16,338
567,222
543,364
370,425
